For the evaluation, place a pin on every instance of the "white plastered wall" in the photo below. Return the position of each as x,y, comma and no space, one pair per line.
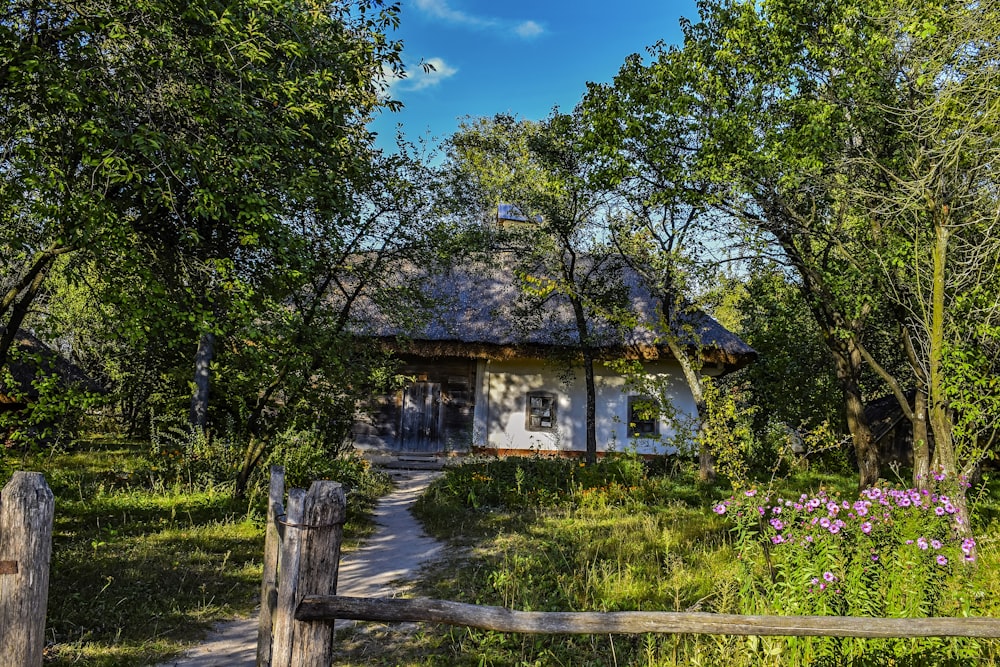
505,385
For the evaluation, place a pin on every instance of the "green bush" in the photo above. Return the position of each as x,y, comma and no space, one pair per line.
306,458
190,457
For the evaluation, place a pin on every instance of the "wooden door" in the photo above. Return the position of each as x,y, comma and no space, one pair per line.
420,423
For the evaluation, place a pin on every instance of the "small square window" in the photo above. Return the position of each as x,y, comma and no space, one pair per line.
643,417
541,412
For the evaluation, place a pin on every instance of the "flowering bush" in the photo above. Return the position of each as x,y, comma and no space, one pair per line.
890,552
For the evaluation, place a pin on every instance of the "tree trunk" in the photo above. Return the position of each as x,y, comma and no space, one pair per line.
921,445
252,455
202,362
18,302
588,372
848,365
706,459
941,422
583,334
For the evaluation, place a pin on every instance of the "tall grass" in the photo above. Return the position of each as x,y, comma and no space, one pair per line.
649,543
150,548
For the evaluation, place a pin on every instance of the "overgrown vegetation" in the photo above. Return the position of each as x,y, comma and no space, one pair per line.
151,547
547,535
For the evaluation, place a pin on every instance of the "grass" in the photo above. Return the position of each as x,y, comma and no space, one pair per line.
649,543
142,569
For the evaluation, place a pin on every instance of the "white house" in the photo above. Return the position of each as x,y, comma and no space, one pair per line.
484,380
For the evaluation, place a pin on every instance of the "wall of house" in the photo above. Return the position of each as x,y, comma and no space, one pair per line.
507,385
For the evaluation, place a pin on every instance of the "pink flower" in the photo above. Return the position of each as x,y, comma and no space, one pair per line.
939,510
922,542
941,560
936,544
866,527
829,576
750,493
719,509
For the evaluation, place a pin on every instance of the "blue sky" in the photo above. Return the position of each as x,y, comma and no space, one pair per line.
514,56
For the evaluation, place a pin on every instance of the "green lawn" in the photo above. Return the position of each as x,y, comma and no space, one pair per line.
140,570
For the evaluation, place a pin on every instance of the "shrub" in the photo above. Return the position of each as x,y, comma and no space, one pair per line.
891,552
182,454
306,458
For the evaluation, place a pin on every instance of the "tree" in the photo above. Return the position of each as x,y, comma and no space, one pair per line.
932,226
542,169
169,144
302,360
660,224
756,81
799,108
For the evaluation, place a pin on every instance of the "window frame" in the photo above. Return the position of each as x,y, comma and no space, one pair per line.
641,428
552,400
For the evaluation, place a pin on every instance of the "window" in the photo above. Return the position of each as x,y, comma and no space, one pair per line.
541,412
643,417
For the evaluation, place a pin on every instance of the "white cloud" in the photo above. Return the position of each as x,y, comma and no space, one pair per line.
529,29
417,78
438,71
442,10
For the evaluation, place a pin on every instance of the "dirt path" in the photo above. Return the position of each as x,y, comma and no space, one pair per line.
380,568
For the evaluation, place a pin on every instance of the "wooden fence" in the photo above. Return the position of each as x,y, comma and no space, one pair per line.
298,612
26,510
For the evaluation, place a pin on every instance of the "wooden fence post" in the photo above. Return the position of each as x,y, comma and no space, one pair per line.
288,581
323,529
269,580
26,510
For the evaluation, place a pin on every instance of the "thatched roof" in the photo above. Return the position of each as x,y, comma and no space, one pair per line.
480,312
32,359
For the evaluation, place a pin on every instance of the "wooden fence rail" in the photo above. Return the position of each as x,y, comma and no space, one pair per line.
27,507
327,608
299,605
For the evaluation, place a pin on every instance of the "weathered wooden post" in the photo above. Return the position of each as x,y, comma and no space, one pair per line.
310,533
26,510
288,581
269,580
323,523
308,565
